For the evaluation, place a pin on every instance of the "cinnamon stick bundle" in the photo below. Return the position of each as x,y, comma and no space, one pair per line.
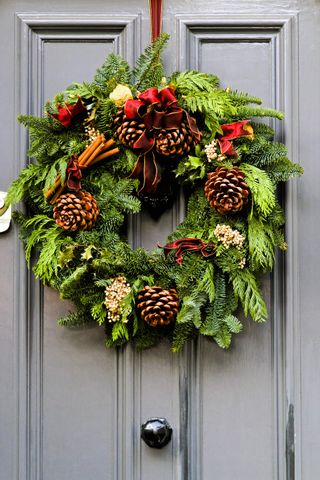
97,150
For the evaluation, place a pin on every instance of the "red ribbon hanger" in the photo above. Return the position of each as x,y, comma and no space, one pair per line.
155,7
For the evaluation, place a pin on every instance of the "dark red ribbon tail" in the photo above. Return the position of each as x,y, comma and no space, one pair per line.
149,172
74,174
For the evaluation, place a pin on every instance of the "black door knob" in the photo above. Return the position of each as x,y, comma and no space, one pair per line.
156,432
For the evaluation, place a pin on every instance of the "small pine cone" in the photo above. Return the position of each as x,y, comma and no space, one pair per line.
157,306
226,190
128,131
76,211
176,142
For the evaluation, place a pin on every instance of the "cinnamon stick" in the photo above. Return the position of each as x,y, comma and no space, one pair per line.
54,187
88,159
95,152
57,194
104,155
88,151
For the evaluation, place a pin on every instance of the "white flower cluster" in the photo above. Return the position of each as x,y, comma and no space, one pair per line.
91,133
228,236
212,152
114,294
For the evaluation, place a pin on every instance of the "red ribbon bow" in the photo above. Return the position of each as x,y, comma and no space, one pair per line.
184,245
74,174
157,110
232,131
68,112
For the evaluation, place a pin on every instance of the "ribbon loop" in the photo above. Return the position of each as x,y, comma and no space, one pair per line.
74,174
157,111
232,131
184,245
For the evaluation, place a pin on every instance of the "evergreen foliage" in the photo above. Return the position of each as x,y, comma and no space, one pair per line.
82,264
115,69
149,69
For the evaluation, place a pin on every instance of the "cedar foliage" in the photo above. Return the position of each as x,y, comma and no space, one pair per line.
81,264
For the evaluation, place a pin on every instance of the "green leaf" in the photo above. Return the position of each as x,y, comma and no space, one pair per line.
119,331
68,284
149,70
114,68
261,187
223,337
193,168
191,309
66,255
246,288
98,312
207,282
182,332
261,242
87,253
192,81
233,324
283,170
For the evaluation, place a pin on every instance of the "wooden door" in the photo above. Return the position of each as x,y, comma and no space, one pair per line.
72,410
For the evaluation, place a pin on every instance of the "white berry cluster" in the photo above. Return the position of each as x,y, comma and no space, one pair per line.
242,263
114,294
212,152
228,236
91,133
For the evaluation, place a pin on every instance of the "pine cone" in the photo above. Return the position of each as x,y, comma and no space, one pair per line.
75,211
128,131
226,190
175,142
157,306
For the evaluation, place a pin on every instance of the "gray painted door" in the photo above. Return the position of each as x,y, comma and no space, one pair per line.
71,410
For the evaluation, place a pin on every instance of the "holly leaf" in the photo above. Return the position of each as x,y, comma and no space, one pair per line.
194,167
87,254
66,256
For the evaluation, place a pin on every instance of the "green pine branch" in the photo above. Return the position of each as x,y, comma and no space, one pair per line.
261,241
246,288
113,71
149,70
191,81
261,187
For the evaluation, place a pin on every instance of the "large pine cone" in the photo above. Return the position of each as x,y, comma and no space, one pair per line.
176,142
158,306
226,190
128,131
76,211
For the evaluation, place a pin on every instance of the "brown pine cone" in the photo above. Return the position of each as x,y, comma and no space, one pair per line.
76,211
128,131
176,142
226,190
157,306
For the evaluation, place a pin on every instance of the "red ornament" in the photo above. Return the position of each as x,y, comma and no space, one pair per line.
68,112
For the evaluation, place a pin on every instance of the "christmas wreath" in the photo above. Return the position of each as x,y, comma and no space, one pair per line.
105,150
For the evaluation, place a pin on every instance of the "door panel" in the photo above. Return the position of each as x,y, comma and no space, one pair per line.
70,409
